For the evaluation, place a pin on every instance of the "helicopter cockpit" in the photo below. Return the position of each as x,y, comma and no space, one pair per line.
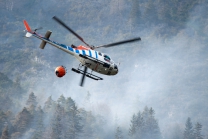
107,58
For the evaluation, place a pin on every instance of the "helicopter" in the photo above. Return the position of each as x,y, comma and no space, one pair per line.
86,55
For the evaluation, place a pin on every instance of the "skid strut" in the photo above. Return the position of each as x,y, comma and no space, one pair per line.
90,75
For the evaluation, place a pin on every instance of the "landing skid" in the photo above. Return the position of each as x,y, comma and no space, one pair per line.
90,75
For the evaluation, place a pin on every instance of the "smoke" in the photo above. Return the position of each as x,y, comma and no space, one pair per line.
167,73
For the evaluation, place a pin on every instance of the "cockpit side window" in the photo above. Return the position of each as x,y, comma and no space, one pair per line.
106,58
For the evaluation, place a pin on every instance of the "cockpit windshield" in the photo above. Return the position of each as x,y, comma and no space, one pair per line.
107,58
115,66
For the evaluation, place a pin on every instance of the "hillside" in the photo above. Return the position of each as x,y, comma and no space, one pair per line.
167,70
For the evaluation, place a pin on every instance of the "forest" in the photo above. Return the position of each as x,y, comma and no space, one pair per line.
160,91
62,119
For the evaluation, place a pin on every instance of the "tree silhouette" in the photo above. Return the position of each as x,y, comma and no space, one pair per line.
57,123
61,100
39,125
144,125
133,126
31,99
22,120
118,134
188,133
5,133
197,131
72,119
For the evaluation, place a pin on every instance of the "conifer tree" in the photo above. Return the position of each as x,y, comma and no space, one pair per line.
39,126
118,134
22,121
57,123
88,122
49,105
61,100
31,100
140,125
133,126
188,133
73,119
197,131
5,133
3,118
31,109
145,113
144,125
145,116
69,104
152,124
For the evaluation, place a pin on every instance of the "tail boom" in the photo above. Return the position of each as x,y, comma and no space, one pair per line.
46,39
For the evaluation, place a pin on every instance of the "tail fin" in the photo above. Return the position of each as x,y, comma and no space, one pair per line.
27,26
29,30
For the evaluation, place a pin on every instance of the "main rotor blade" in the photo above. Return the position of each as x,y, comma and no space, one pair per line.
69,29
83,76
119,43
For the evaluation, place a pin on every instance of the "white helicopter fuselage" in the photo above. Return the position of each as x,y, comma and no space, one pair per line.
96,61
108,68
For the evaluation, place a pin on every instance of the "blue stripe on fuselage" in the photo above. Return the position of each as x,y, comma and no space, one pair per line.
77,51
83,52
64,46
90,53
96,54
71,49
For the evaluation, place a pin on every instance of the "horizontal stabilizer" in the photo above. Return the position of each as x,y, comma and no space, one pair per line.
28,35
43,43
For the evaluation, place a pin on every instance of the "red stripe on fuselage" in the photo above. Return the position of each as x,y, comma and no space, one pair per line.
82,48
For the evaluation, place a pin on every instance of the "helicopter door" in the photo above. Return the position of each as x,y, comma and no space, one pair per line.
110,69
111,66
